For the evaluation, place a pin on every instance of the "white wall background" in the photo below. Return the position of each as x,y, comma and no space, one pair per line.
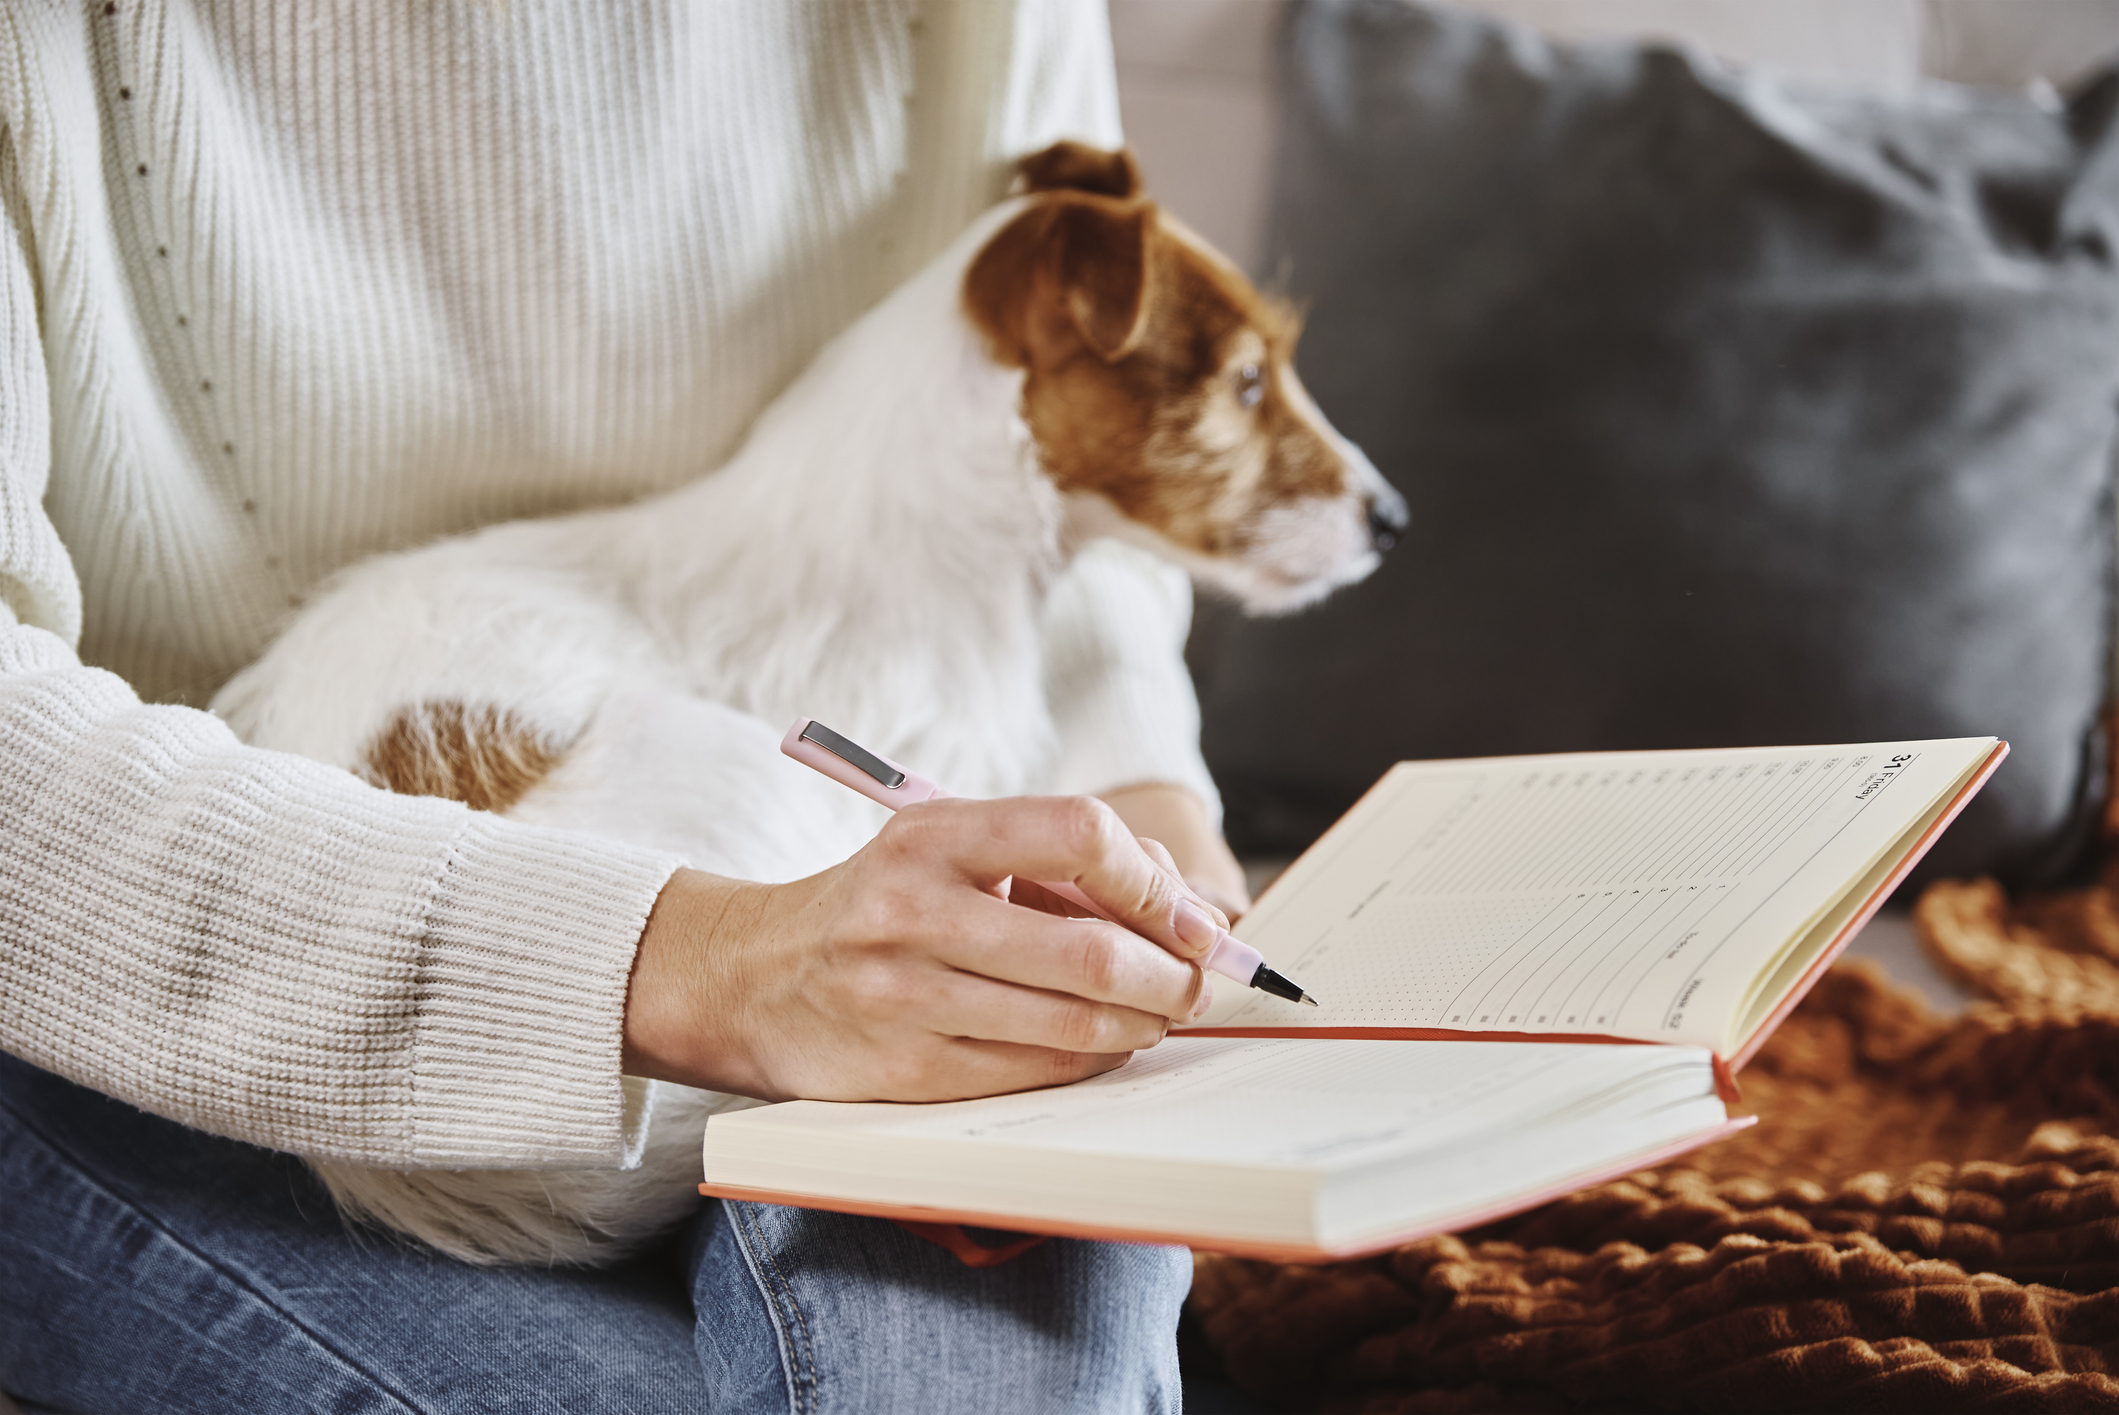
1195,77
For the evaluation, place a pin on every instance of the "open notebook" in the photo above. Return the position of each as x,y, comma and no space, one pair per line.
1468,926
1643,896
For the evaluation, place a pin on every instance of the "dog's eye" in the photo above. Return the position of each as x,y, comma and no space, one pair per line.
1250,387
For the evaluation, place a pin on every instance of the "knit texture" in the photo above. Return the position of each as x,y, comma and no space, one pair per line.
1925,1218
281,287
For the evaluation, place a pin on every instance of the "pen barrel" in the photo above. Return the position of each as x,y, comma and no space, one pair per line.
1233,958
911,789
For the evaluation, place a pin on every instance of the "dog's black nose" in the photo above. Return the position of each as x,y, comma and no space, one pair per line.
1387,519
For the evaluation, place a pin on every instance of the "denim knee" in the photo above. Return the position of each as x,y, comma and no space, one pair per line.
150,1267
805,1311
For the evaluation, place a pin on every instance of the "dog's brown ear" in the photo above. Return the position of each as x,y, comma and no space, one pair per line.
1070,271
1070,166
1103,268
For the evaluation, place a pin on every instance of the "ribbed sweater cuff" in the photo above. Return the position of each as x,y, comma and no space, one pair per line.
521,998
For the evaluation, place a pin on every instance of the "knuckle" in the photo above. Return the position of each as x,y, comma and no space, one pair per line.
1061,1067
1064,1067
1083,1026
1196,990
1149,897
1158,894
876,983
908,834
888,912
1097,962
1085,824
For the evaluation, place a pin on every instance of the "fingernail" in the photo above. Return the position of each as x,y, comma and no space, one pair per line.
1195,926
1206,999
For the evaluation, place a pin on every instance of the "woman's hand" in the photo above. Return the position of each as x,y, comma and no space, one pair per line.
1179,820
908,974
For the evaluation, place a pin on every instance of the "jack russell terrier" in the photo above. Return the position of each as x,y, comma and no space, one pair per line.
1077,364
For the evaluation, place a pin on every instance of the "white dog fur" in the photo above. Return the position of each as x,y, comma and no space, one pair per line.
875,555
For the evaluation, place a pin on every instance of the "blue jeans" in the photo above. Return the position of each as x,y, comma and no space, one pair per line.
145,1266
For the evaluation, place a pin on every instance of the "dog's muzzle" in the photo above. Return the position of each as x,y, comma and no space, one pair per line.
1387,517
1380,501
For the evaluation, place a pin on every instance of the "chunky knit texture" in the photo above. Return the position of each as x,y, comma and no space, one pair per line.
284,286
1925,1218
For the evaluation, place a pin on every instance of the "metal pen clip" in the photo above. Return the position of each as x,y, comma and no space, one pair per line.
854,755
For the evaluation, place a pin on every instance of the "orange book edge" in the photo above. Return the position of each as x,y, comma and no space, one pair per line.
920,1214
1825,958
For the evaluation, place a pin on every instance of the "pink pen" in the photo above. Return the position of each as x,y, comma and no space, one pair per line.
885,782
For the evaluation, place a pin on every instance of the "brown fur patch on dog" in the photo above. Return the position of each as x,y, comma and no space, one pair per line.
1156,374
1068,165
485,756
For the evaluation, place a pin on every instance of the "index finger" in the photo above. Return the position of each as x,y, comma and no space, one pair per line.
1075,840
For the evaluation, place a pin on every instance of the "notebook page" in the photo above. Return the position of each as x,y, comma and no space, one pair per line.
1282,1103
1635,894
1280,1142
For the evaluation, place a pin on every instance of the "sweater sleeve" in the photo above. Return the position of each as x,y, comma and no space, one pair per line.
264,947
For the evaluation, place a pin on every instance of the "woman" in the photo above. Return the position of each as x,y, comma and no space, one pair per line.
287,288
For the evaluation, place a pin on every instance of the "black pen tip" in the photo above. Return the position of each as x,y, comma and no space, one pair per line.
1266,980
1306,1000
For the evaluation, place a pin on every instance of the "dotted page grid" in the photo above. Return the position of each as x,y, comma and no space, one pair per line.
1536,897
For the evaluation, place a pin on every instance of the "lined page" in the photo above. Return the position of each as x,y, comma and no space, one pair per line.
1632,894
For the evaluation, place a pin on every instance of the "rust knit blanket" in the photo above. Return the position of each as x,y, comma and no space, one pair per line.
1925,1218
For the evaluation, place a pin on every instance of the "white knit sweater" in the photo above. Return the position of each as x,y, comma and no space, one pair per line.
281,286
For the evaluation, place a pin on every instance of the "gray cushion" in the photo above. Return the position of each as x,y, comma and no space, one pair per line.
1729,414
